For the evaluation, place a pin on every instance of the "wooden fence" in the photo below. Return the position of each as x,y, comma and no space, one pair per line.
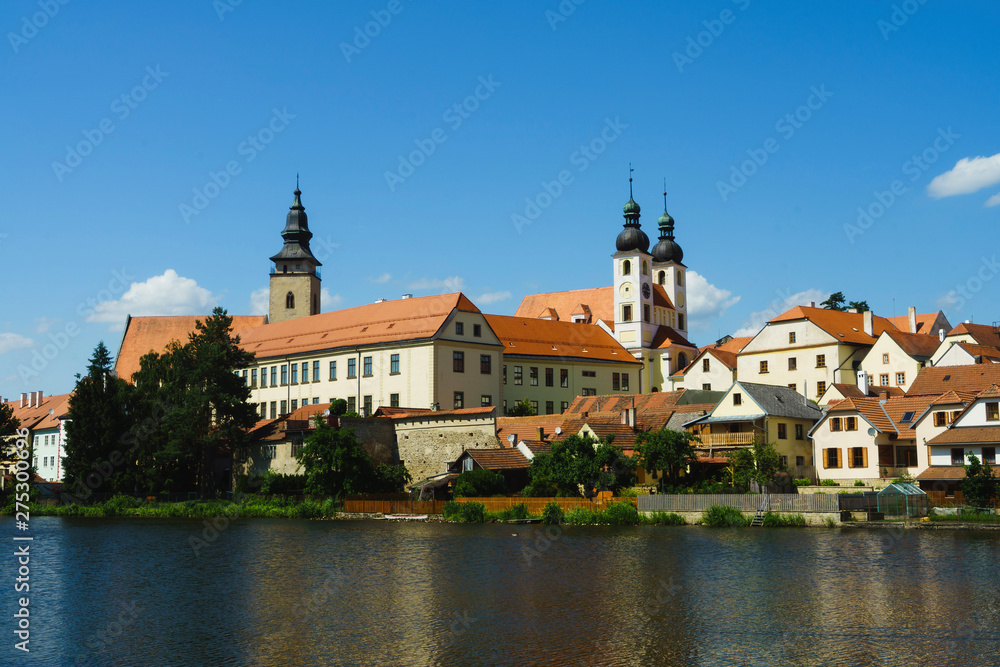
536,505
771,502
382,505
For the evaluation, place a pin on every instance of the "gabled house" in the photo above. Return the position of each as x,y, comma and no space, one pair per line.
713,369
937,380
750,412
985,335
928,324
974,430
896,358
808,349
45,419
962,353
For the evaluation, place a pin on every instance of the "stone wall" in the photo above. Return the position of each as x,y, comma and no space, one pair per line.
377,435
427,444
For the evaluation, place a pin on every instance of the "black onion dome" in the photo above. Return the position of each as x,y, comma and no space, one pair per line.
631,207
631,238
667,250
644,241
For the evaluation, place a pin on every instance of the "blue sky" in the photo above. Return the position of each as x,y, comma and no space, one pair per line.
807,147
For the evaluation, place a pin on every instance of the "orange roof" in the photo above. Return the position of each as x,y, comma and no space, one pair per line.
940,379
845,327
734,345
869,408
526,428
943,473
967,434
848,390
382,322
984,334
38,417
499,459
618,402
919,346
153,333
952,397
427,414
599,300
660,297
550,338
993,391
666,336
988,352
924,323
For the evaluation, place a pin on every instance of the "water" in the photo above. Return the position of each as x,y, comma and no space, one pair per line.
280,592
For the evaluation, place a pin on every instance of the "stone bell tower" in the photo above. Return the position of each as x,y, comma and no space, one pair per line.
295,276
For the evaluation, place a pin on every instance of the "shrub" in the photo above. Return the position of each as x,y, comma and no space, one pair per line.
722,516
479,483
802,481
120,505
829,482
452,511
552,514
830,523
774,520
515,513
666,519
620,514
582,515
858,482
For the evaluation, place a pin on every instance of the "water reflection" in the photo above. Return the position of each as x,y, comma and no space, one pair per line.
269,592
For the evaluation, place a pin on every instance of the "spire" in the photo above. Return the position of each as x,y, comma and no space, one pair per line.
296,233
666,222
632,237
667,250
631,209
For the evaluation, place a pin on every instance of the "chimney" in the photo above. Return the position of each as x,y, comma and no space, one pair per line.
812,304
541,433
869,327
407,296
941,335
863,382
24,398
883,396
38,399
852,310
912,312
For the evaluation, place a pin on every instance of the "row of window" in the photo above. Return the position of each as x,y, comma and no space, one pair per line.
477,329
550,407
857,457
485,363
619,381
793,363
958,456
290,372
627,315
800,433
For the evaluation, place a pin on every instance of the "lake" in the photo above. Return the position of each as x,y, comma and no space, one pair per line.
285,592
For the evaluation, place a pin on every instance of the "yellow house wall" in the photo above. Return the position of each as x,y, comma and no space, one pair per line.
718,376
512,394
899,362
807,375
946,344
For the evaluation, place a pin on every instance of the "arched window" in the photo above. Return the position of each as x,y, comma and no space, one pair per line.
680,277
682,360
626,268
645,268
289,300
663,278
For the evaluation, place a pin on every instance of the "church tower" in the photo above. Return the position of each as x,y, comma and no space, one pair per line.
668,270
634,324
295,276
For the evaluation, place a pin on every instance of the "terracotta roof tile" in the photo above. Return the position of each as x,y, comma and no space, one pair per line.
940,379
943,473
526,428
845,327
427,414
666,336
499,459
967,435
849,390
549,338
988,352
600,301
924,323
919,346
984,334
660,297
38,417
869,408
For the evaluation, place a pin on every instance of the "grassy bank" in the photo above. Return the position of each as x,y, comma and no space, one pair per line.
616,514
126,506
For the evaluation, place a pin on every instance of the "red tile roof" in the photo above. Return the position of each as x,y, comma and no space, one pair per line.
420,413
924,323
38,417
943,473
549,338
919,346
940,379
967,435
660,298
386,321
869,408
845,327
599,301
153,333
526,428
984,334
499,459
666,336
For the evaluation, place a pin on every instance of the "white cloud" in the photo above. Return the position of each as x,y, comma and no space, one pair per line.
384,278
492,297
705,300
449,284
968,175
43,324
260,301
756,321
13,341
994,200
327,301
950,301
169,294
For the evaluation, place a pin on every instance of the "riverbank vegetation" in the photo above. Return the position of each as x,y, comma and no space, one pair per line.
252,507
615,514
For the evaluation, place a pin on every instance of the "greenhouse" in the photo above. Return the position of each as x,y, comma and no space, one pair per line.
903,499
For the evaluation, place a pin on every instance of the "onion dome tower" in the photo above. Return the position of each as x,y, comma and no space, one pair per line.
295,276
667,250
632,237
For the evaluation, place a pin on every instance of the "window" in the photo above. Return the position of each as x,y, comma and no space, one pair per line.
900,378
859,457
393,400
270,451
368,367
883,379
616,381
907,417
589,374
793,387
737,399
505,373
316,371
296,449
333,370
662,278
625,382
645,312
990,455
315,400
549,408
705,365
477,330
274,410
518,375
645,268
368,406
799,432
263,377
533,376
295,404
992,412
458,362
820,361
289,300
467,464
626,268
850,423
352,404
284,408
459,328
459,399
627,313
534,407
305,371
791,337
352,368
485,364
284,374
587,391
680,277
394,364
782,431
295,373
563,406
836,424
800,460
485,400
940,418
792,364
263,410
244,377
274,376
885,358
783,461
958,456
564,377
831,457
763,367
820,387
549,377
706,387
253,377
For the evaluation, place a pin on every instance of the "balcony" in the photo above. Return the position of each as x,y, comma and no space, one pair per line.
317,272
726,439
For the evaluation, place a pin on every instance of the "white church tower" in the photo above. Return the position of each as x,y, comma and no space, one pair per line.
634,323
669,271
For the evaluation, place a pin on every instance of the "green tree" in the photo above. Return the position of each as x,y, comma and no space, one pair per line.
338,407
667,450
980,486
759,463
521,409
337,465
580,463
8,432
479,482
837,301
100,414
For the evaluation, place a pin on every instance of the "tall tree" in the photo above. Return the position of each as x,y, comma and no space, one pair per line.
580,463
759,463
8,432
980,486
100,413
667,450
336,465
837,301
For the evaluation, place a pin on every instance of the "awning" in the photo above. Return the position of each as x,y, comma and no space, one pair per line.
724,420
